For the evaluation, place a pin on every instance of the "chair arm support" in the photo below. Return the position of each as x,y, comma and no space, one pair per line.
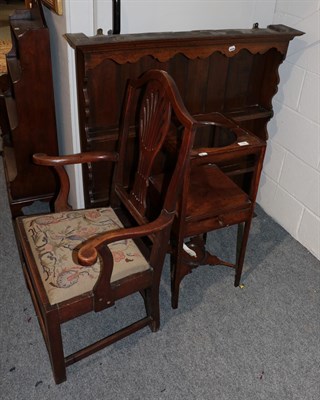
88,251
58,163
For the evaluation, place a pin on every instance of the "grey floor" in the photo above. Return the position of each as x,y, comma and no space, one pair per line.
223,343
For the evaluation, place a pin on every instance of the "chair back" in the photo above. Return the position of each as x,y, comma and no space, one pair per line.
153,110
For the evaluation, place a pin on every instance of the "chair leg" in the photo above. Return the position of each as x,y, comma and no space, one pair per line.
55,346
50,328
179,269
151,299
242,240
175,283
155,325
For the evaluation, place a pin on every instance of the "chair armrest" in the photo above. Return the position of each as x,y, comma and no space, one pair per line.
80,158
88,251
58,163
240,142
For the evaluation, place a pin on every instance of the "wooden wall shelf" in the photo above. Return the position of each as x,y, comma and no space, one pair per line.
230,71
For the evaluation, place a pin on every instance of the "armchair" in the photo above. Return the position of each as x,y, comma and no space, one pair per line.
81,261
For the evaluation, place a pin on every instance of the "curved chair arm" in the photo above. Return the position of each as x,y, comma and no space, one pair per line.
88,251
242,141
58,163
88,254
79,158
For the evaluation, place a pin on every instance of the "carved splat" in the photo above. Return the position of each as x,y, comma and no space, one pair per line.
154,123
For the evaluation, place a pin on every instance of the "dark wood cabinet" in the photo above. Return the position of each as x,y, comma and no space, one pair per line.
230,71
28,112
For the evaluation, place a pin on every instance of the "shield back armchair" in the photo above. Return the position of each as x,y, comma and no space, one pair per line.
81,261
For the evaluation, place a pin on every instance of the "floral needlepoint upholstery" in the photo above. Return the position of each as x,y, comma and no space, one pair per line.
53,238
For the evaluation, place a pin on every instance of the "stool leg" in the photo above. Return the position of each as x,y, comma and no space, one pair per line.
242,240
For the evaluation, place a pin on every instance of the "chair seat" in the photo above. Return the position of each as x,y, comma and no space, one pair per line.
54,239
211,193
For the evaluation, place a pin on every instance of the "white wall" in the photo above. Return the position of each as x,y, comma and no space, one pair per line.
77,17
290,184
139,16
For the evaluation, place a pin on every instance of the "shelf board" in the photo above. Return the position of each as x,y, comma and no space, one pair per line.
249,113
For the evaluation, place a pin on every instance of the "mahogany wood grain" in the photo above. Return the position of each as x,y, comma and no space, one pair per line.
213,197
154,102
28,104
229,71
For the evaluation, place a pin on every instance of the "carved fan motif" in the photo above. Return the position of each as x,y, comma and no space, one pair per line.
154,122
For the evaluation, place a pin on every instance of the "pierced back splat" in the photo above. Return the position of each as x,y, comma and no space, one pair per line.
154,123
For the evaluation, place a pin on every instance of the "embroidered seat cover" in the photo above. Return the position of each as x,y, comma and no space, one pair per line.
53,239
